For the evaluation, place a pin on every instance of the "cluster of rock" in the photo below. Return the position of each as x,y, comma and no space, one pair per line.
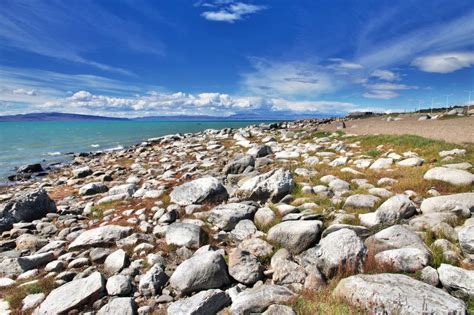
199,223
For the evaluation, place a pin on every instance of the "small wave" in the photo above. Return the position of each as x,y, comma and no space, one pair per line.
54,153
119,147
95,145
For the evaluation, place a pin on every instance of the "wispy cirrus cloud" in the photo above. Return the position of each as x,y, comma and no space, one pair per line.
70,31
375,52
228,11
386,75
444,62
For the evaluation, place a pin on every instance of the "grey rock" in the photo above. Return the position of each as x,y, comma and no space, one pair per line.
264,217
381,163
153,281
72,295
413,161
361,231
258,299
205,189
125,189
226,216
450,175
239,164
396,294
361,201
102,236
116,261
394,209
429,275
25,206
82,172
279,310
202,303
260,151
122,306
403,259
204,271
272,185
458,281
93,188
286,271
35,261
256,247
118,285
340,248
456,203
296,236
395,237
243,230
185,234
466,239
244,267
32,300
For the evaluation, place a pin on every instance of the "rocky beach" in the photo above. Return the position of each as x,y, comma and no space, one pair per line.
300,217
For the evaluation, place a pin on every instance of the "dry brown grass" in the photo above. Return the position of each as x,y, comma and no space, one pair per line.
60,192
15,295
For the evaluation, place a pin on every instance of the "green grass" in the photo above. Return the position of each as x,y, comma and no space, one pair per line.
15,295
426,148
373,153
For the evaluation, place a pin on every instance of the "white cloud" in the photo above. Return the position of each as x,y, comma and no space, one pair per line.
344,64
445,62
381,94
386,91
228,11
385,75
180,103
287,79
21,91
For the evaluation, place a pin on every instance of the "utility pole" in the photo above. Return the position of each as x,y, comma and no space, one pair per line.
447,100
469,102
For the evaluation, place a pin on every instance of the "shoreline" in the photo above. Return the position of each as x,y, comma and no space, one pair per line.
67,157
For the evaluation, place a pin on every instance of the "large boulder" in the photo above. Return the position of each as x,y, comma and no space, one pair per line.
340,249
185,234
272,185
205,189
394,209
396,294
458,281
25,206
202,303
100,237
239,164
226,216
258,299
457,203
450,175
73,295
295,236
203,271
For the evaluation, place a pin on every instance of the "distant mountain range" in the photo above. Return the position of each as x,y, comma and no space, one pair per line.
78,117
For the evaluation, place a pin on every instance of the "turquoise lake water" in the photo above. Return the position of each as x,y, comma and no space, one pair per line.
32,142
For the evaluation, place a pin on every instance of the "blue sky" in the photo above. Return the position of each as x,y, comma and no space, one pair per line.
222,57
